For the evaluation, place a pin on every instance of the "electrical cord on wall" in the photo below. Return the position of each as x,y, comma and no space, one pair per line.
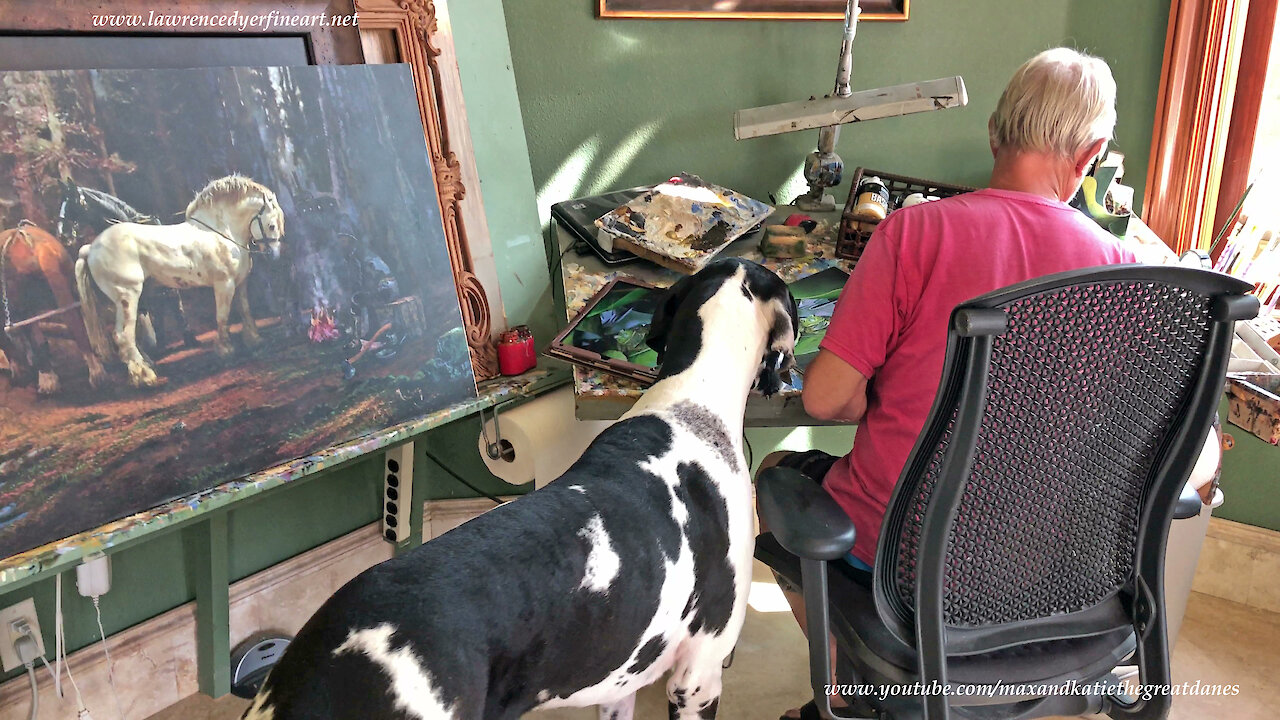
111,672
60,656
458,477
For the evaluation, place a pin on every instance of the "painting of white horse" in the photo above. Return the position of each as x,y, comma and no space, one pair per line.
229,221
286,344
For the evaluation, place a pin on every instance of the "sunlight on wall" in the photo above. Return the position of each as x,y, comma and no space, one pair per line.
798,439
624,42
767,597
623,156
794,186
566,181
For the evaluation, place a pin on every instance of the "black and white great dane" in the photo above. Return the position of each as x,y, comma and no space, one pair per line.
635,562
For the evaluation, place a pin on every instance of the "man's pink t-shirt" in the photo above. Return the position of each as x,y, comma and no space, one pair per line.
891,320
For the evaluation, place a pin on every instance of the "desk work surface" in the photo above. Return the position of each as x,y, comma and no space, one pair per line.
602,396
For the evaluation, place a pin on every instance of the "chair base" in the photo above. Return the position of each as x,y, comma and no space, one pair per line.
884,676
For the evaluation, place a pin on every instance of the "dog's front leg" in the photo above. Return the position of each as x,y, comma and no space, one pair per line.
693,691
624,709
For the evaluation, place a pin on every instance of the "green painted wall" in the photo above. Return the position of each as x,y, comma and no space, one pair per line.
1130,37
497,132
1250,478
616,103
609,104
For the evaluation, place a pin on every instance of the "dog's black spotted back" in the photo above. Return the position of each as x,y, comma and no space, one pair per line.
471,616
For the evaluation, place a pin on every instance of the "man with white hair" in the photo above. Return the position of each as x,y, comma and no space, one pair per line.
1053,120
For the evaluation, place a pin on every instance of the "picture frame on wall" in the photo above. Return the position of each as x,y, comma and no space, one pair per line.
873,10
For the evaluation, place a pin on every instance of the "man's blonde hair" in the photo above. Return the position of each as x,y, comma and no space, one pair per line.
1059,101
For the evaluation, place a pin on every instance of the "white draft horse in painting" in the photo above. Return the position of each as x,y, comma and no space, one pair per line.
228,222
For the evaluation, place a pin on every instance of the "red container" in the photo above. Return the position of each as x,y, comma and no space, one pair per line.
515,351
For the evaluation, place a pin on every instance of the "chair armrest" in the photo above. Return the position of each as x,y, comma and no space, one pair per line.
1189,503
806,520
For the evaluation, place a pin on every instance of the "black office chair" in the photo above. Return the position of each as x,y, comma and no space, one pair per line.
1024,542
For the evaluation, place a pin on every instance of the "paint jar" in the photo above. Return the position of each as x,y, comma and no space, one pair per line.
913,199
873,200
515,351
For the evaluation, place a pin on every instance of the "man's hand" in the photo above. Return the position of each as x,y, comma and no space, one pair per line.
834,389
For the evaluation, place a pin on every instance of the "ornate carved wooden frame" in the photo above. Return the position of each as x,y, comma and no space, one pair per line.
411,31
421,36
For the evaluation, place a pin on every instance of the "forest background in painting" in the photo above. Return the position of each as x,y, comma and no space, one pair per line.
358,315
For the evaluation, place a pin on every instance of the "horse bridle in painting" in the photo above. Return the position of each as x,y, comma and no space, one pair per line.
257,218
253,242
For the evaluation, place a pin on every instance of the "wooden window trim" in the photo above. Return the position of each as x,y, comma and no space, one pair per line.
1193,111
1255,56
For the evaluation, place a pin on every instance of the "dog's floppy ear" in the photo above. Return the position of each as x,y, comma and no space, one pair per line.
779,354
660,326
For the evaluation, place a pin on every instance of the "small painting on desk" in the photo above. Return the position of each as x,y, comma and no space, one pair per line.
816,295
896,10
611,332
207,273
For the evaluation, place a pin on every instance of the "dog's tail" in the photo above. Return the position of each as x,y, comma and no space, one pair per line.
89,307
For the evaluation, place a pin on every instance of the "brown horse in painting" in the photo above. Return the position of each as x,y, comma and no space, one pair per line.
28,253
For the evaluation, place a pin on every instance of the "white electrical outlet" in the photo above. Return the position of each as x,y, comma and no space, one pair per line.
25,610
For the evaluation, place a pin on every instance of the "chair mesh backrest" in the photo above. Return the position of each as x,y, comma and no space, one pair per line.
1083,388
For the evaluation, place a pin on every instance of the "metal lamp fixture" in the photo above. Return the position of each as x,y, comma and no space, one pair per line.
823,168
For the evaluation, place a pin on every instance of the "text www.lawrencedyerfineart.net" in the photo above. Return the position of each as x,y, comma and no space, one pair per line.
236,20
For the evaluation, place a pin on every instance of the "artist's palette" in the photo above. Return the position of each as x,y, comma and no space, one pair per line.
683,223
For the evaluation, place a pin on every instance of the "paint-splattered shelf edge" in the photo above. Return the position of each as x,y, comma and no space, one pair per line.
65,553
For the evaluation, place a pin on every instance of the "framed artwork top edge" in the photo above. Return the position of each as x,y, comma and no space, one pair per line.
603,12
695,15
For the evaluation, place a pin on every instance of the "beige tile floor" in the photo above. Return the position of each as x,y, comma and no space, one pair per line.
1221,642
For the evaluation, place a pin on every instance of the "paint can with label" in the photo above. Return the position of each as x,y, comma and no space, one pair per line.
873,200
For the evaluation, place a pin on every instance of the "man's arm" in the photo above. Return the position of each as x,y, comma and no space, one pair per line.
834,389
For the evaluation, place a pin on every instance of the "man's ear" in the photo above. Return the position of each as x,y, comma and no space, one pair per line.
660,326
1086,158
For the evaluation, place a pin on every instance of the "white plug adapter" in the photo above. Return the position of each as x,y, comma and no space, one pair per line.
93,576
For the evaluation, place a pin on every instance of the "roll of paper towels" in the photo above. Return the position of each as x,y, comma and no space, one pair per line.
544,436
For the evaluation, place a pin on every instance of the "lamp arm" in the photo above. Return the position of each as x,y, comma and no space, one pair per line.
844,69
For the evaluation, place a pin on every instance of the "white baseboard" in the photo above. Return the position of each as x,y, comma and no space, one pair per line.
441,516
1240,563
155,661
